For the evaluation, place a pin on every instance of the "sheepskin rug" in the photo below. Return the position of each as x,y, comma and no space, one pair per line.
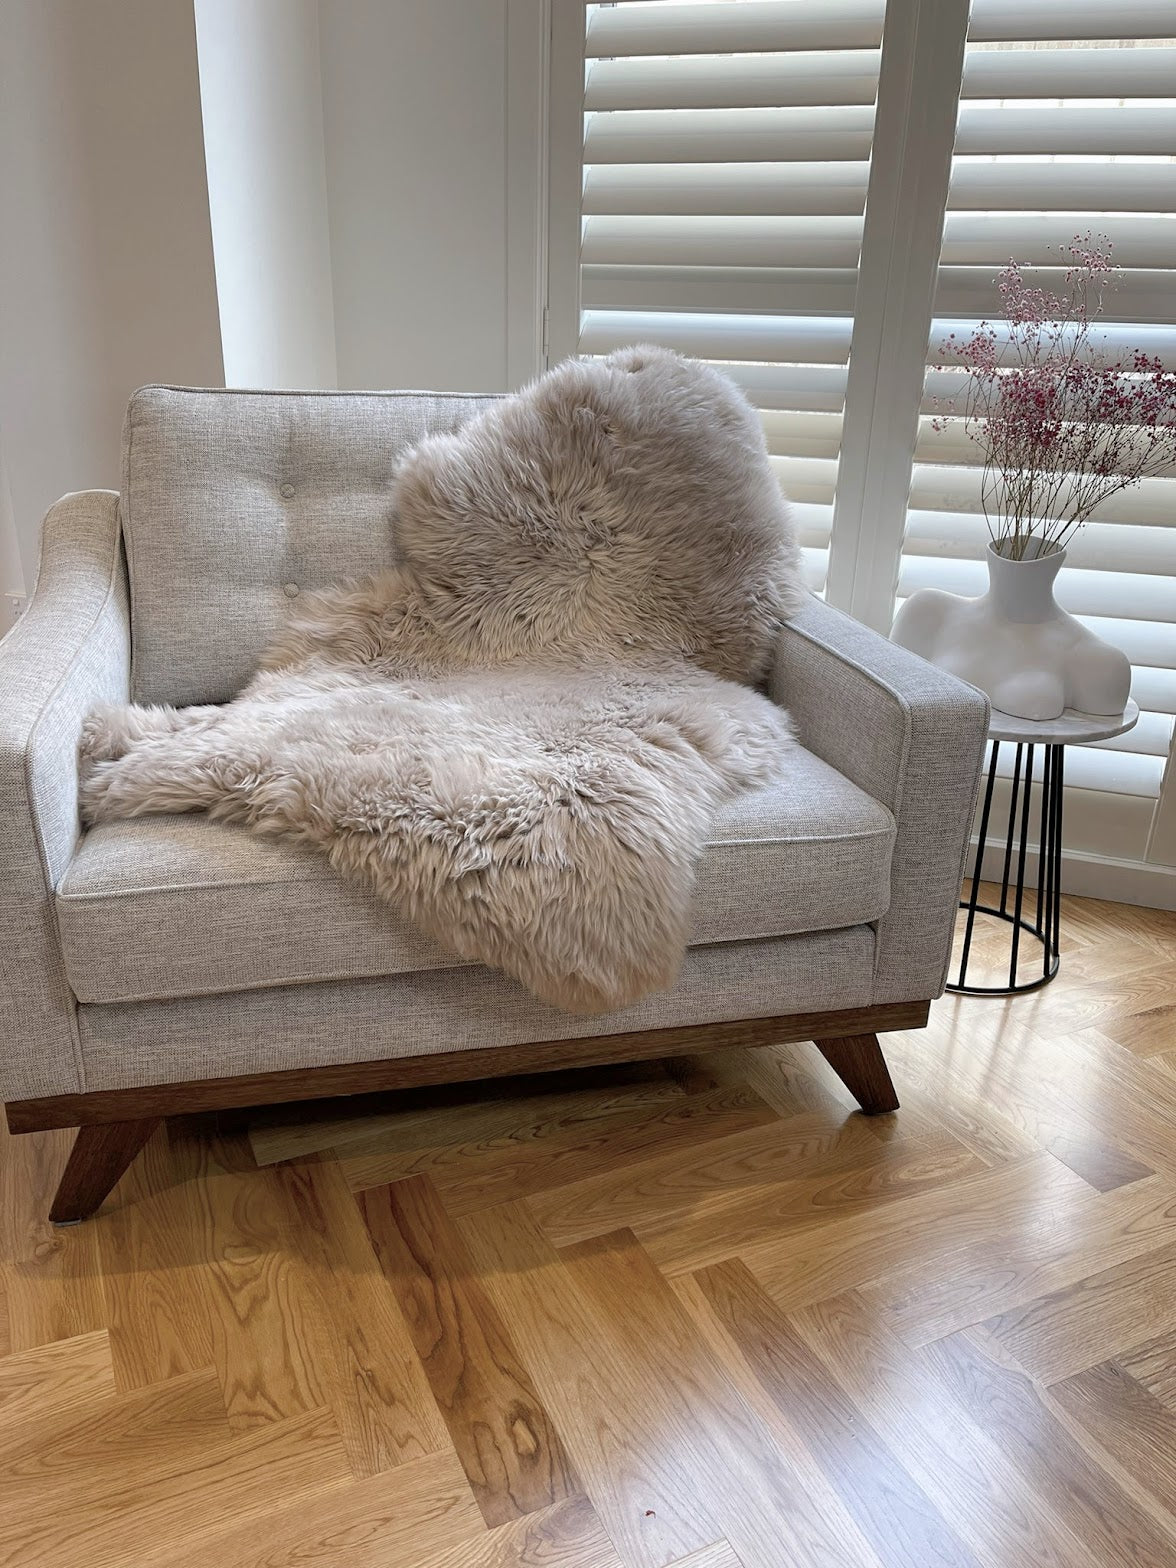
520,734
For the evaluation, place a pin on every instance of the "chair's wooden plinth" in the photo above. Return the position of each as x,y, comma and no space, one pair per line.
115,1123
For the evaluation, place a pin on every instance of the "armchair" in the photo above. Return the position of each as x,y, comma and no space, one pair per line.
171,964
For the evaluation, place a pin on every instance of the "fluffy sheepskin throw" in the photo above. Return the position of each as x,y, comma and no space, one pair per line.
519,735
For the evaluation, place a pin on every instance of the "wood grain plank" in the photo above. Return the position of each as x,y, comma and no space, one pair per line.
966,1473
904,1527
632,1454
256,1292
480,1176
1153,1364
52,1276
359,1342
406,1515
512,1454
1005,1404
566,1535
766,1507
1060,1088
53,1377
106,1445
796,1158
733,1222
1091,1320
720,1555
799,1267
1118,1415
417,1121
157,1304
134,1526
1033,1250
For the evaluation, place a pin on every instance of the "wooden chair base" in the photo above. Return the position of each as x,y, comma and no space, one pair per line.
98,1158
858,1062
115,1123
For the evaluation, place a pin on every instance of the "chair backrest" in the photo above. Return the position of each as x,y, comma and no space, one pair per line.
233,502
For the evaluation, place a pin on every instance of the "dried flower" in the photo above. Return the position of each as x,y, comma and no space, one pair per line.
1063,425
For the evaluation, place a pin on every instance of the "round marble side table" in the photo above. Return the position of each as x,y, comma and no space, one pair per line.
1052,736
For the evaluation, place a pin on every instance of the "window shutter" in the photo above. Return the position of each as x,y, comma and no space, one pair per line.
1067,125
726,152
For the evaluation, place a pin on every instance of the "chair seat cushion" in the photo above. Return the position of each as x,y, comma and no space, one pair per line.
174,906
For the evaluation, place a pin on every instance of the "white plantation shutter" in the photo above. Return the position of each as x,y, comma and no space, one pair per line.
725,155
1067,125
762,190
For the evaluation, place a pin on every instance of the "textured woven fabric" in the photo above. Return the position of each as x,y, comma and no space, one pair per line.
234,502
470,1008
181,906
69,651
912,737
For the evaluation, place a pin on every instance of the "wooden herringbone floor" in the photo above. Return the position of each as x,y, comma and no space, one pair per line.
693,1313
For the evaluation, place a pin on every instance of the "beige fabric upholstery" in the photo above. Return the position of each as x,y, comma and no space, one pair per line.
69,650
181,906
912,737
234,502
467,1008
212,540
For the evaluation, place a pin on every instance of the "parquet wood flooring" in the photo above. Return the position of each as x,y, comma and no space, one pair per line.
696,1312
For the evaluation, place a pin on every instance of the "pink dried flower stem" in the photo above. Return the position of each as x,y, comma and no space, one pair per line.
1062,424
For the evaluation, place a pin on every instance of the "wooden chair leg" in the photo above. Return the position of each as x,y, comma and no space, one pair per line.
101,1153
858,1062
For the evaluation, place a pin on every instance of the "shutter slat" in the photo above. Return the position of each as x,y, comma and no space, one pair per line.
1107,547
1028,129
734,81
784,190
785,386
946,487
1113,338
1143,294
814,523
951,444
715,289
808,340
729,135
1110,187
1151,737
1140,239
795,434
640,29
1154,690
1022,21
807,478
1070,73
752,242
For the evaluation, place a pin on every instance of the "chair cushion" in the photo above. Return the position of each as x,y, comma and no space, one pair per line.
181,906
235,502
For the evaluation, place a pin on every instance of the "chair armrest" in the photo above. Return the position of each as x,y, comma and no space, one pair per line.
70,650
912,737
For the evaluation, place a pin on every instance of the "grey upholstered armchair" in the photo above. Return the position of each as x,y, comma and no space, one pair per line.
171,964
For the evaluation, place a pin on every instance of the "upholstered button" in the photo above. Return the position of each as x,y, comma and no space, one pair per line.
290,590
287,491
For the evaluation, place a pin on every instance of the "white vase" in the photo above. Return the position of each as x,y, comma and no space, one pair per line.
1016,642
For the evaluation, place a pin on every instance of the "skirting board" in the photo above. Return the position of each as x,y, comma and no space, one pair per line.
1097,876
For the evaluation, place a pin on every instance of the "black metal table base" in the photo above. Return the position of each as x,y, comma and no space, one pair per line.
1043,925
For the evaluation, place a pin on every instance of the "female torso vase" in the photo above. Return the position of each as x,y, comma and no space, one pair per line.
1016,642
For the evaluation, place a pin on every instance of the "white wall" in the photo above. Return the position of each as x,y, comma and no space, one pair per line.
263,138
106,275
414,113
12,578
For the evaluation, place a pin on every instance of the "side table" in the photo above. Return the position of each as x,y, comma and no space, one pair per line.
1052,736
